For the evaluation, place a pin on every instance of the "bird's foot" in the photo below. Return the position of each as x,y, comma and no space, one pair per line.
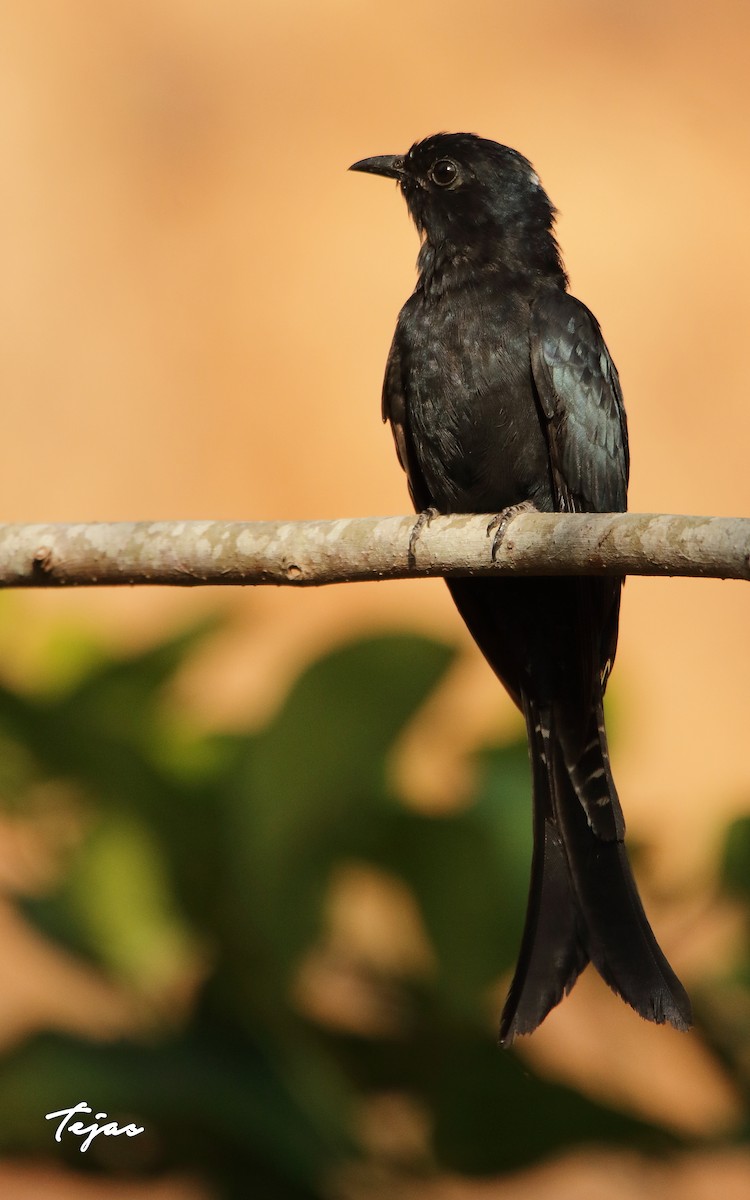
422,521
500,522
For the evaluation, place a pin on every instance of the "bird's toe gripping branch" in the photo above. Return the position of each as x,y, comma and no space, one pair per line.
500,522
422,521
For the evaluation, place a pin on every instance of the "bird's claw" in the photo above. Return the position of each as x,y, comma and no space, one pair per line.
421,522
500,522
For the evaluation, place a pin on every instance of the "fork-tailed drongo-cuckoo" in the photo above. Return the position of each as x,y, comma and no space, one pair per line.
500,392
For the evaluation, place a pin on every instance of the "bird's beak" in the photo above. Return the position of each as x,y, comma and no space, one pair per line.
389,165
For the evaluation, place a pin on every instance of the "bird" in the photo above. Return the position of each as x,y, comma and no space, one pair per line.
502,395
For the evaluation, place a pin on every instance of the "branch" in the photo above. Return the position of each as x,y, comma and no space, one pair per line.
309,553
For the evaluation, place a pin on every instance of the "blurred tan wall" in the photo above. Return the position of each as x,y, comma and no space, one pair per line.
196,302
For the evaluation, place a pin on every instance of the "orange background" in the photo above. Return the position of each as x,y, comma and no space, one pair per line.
196,303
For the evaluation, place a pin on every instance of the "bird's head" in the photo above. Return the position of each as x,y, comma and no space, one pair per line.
472,197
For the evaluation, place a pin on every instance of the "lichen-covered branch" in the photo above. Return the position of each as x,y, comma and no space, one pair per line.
310,553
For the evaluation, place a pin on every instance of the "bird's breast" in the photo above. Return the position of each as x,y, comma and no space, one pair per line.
471,411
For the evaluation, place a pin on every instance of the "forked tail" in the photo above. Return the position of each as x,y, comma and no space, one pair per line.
583,901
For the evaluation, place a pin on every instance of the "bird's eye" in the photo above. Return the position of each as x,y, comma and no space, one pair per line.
444,172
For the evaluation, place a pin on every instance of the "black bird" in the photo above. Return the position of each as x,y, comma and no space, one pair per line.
501,392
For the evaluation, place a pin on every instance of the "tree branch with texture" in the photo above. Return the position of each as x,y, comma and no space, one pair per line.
312,553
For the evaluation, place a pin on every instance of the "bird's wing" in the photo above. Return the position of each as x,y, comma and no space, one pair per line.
579,395
578,391
394,410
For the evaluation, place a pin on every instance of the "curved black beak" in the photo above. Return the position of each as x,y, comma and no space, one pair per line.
389,165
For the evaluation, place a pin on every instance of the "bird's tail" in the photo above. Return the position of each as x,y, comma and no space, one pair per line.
583,901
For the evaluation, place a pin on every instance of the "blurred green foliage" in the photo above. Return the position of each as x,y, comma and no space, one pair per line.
216,853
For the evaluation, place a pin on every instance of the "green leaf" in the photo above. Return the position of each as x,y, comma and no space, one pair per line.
735,866
316,776
492,1114
468,873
